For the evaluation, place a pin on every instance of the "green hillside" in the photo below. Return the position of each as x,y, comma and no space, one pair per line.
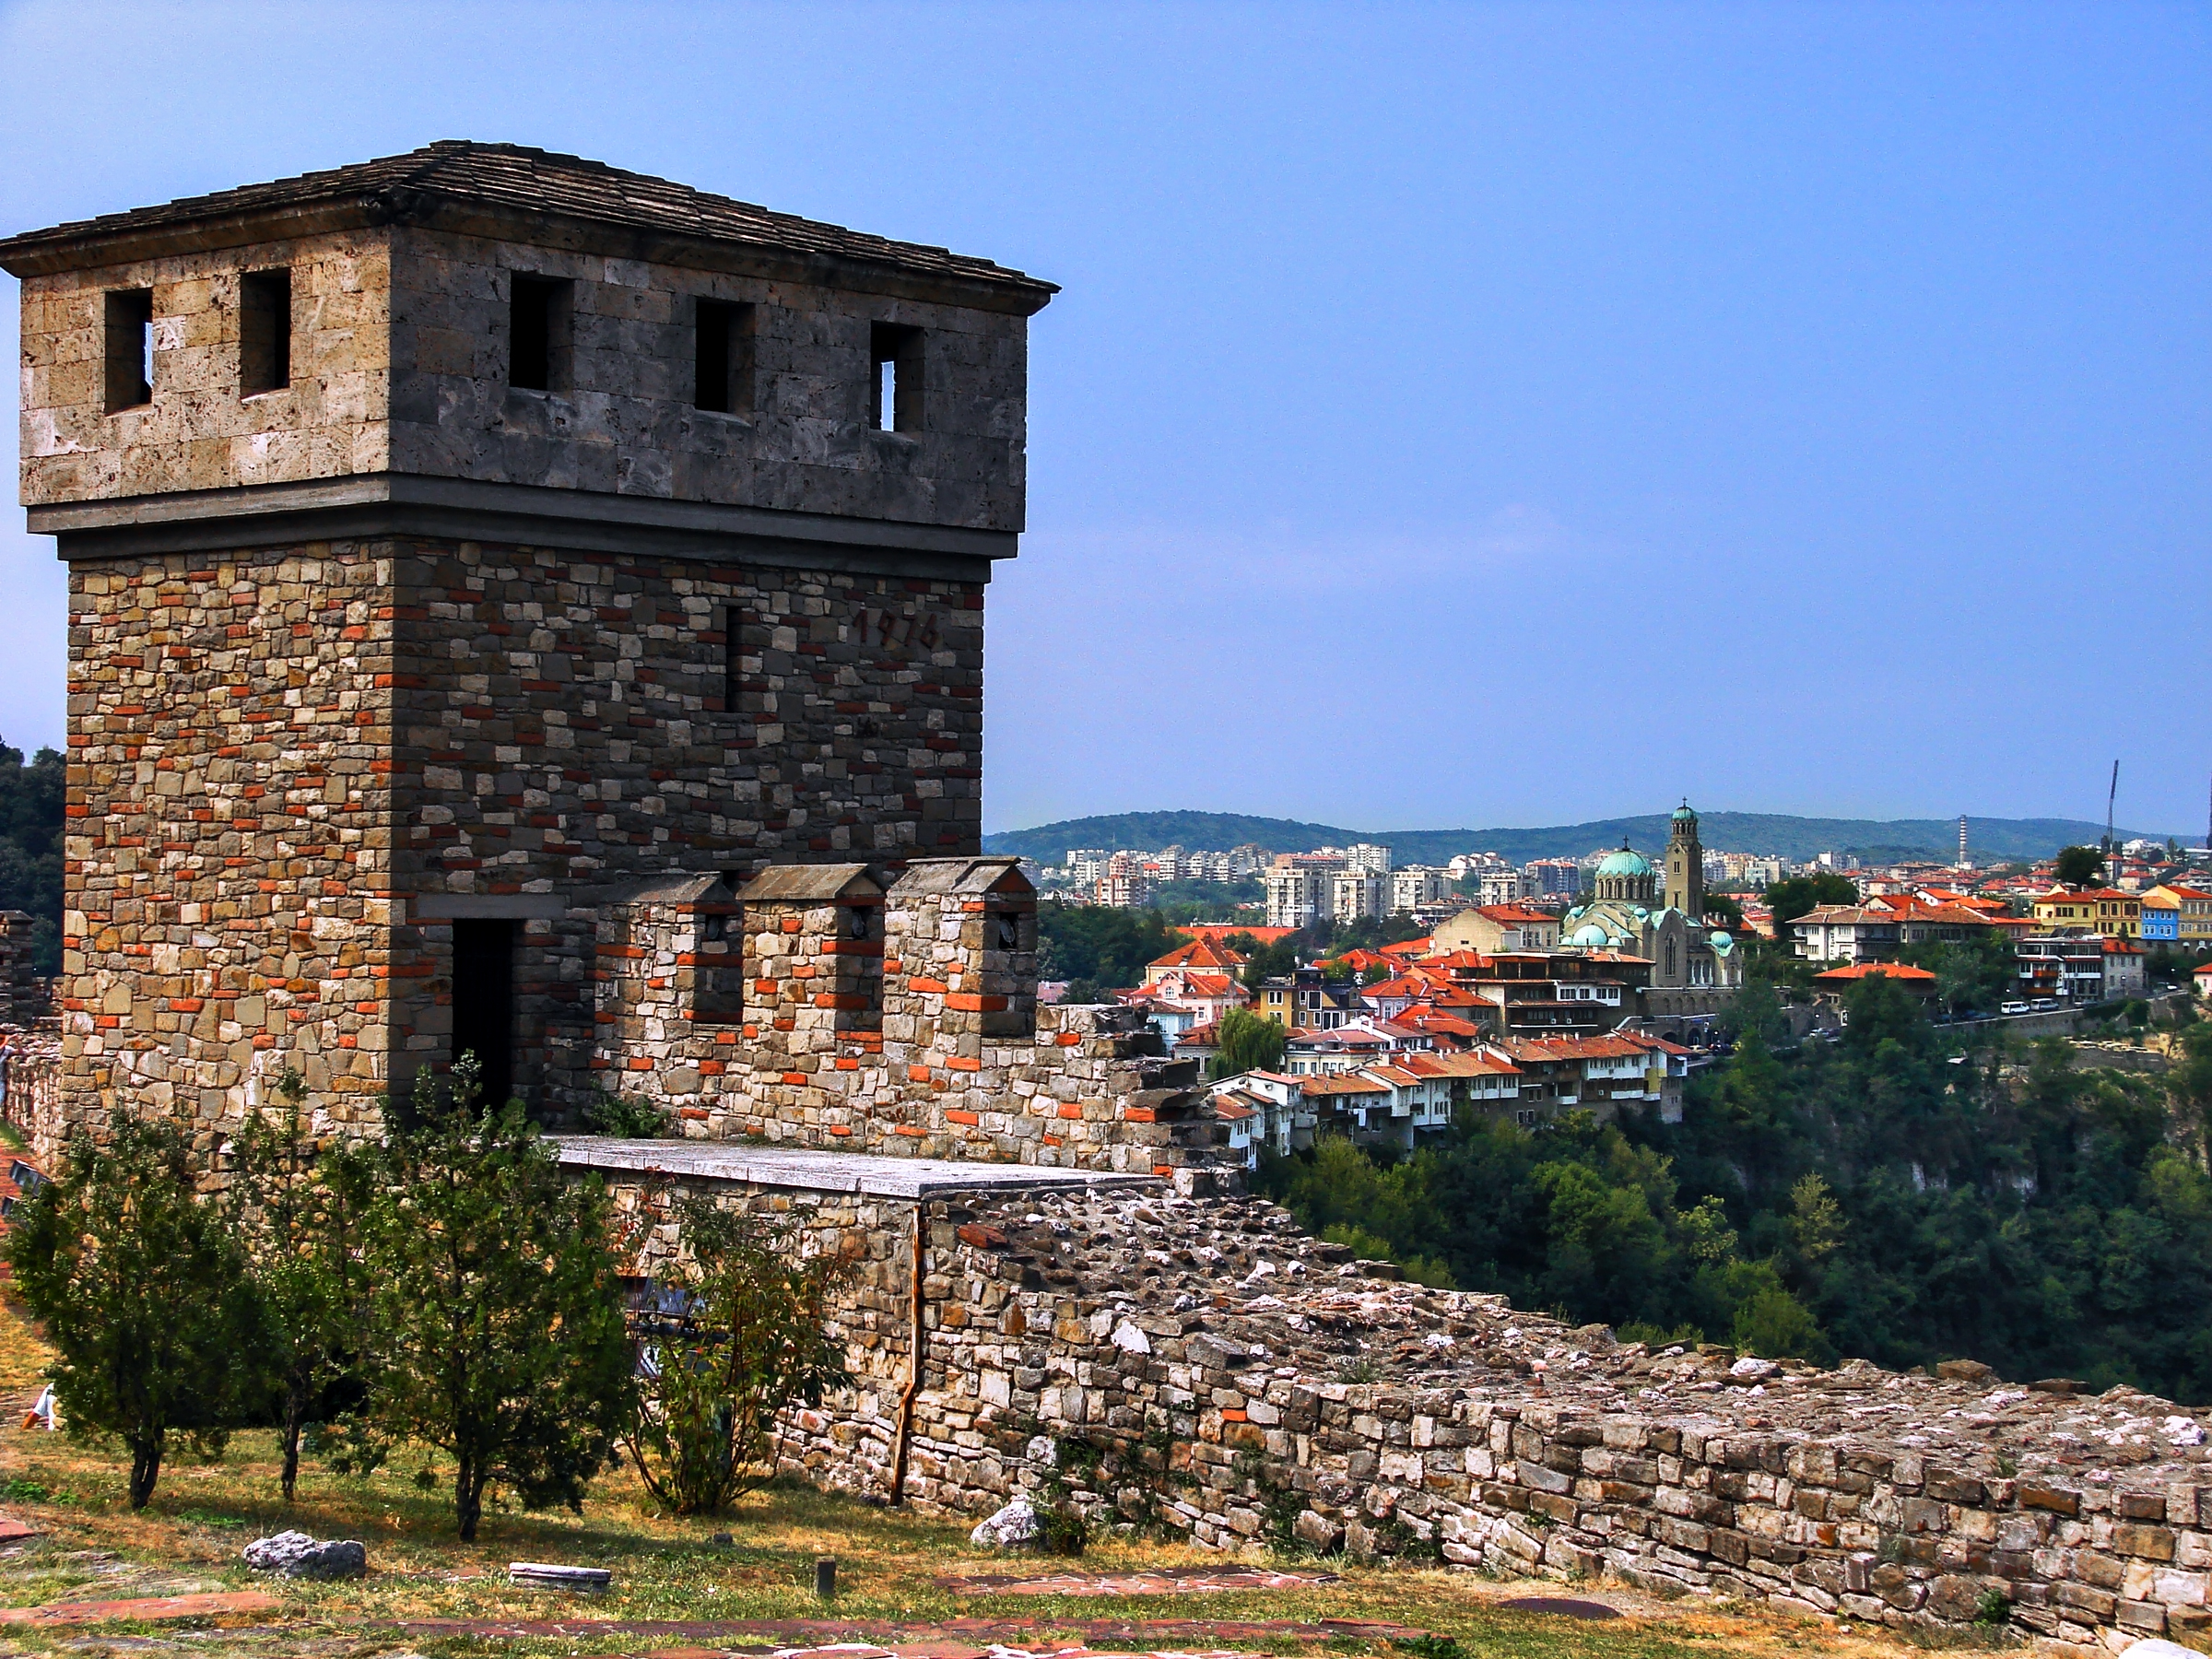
1778,834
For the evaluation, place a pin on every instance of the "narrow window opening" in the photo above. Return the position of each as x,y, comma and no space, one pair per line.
538,340
731,651
722,376
895,383
265,332
484,1002
130,348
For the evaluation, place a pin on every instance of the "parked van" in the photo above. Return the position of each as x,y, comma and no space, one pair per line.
2013,1007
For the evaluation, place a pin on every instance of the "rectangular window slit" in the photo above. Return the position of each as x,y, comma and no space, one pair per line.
538,338
723,374
731,649
130,348
265,332
895,383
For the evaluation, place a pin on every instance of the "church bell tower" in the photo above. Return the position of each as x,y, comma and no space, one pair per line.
1686,865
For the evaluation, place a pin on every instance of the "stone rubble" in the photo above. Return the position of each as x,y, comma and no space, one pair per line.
1252,1384
300,1554
1013,1528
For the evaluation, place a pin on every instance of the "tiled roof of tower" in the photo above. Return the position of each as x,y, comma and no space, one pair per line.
516,178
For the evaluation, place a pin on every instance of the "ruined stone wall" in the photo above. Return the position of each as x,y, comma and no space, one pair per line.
198,432
21,999
1205,1370
228,850
33,1107
625,423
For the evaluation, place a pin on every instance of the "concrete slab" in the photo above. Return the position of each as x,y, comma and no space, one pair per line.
811,1170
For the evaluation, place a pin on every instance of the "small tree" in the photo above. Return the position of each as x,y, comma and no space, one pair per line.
2078,866
143,1294
297,1211
495,1329
737,1330
1248,1044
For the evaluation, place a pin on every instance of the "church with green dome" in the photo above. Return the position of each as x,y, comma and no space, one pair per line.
1695,968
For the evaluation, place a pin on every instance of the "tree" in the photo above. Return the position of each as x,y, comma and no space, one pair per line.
1726,908
143,1295
2079,866
1973,975
1099,945
738,1328
495,1330
297,1211
1247,1044
1791,898
31,799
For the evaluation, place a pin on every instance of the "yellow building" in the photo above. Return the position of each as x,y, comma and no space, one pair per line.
2105,911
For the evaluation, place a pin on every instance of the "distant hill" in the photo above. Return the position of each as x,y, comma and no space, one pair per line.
1875,839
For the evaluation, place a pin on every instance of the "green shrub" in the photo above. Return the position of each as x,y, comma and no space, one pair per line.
738,1328
143,1292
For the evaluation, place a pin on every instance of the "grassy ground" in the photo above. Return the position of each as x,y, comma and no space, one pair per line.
889,1564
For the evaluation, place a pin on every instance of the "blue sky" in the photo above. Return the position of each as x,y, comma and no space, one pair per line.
1455,415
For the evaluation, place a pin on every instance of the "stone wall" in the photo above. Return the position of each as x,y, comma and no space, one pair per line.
1205,1370
22,999
34,1093
197,432
290,768
228,852
625,424
399,363
923,1040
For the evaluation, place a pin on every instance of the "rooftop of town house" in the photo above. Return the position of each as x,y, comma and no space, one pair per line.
1859,970
1351,1083
1204,954
1514,914
482,188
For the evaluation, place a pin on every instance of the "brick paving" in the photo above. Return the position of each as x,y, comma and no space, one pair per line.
1167,1581
947,1638
150,1607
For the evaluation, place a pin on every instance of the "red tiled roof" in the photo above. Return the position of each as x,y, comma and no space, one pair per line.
1201,954
1222,930
1344,1084
1895,971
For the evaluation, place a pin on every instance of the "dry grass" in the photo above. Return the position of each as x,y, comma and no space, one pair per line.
188,1538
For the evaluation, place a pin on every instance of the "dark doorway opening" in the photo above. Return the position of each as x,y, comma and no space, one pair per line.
484,1001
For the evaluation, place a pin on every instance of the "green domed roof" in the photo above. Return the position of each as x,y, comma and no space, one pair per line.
1625,863
1683,811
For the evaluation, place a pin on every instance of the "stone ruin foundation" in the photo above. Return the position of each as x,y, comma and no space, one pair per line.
1199,1367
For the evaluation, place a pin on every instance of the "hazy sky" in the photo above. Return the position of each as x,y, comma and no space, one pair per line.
1456,415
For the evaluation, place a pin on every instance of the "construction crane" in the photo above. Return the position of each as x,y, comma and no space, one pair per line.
2110,795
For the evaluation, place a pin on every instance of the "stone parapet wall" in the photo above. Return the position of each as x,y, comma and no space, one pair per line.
1188,1367
918,1034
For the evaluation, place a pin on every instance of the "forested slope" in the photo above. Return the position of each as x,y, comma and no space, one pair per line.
1885,1197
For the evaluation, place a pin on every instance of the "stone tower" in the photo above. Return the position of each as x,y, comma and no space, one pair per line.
1686,865
460,545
